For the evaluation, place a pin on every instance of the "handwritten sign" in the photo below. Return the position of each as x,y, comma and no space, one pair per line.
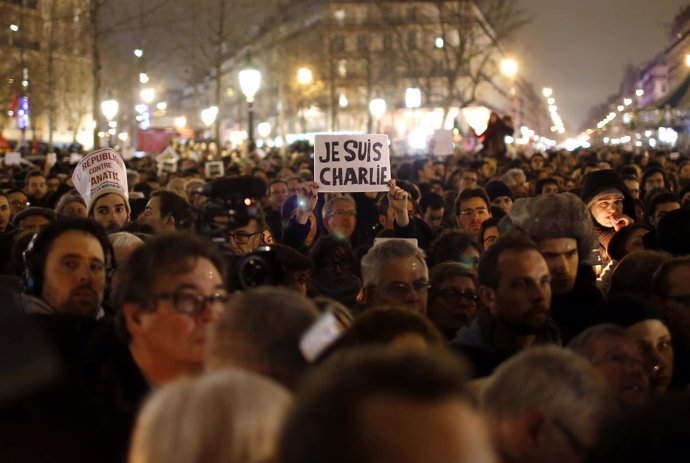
99,170
351,163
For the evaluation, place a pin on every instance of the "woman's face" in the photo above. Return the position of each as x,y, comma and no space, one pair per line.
453,305
654,341
606,209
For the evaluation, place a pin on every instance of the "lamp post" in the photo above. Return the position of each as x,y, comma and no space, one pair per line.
250,81
109,109
377,108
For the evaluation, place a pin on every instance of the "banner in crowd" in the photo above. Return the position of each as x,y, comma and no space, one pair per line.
351,163
99,170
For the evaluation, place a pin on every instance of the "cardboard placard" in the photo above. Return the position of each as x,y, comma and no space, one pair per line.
13,158
214,169
101,169
167,154
351,163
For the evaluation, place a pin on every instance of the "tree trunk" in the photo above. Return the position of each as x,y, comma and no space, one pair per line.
219,86
51,74
96,66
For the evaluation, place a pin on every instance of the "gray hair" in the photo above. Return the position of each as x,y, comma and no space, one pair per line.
549,379
385,252
556,216
125,240
328,207
582,343
231,416
510,178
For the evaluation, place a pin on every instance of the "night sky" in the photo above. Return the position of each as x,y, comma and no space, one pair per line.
580,47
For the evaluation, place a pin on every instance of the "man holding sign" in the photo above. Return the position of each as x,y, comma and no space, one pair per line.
101,179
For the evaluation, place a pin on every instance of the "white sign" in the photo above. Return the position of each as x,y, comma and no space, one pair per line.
167,166
99,170
351,163
214,169
13,158
442,143
167,154
74,158
51,159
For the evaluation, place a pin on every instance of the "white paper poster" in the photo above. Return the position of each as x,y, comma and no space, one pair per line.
442,143
98,170
13,158
351,163
214,169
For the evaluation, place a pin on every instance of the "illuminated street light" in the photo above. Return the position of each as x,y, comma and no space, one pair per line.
639,92
342,101
14,28
143,78
620,107
109,108
138,52
687,59
439,42
264,129
147,94
250,81
551,101
180,122
627,101
162,106
208,115
509,67
304,76
377,108
547,92
413,97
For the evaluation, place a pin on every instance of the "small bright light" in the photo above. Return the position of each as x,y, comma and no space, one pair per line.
180,122
547,92
101,134
509,139
342,101
250,81
417,139
620,107
208,115
647,133
439,42
639,92
109,108
162,106
123,136
652,142
304,76
627,101
112,124
638,143
687,60
606,140
111,131
377,106
509,67
247,201
140,108
626,139
264,129
138,52
551,101
14,28
143,77
413,97
148,94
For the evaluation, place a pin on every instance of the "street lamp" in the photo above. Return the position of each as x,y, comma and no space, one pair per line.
208,115
109,109
377,107
547,91
413,97
509,67
180,122
147,94
304,76
250,81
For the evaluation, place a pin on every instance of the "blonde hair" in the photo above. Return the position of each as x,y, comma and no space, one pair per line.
229,415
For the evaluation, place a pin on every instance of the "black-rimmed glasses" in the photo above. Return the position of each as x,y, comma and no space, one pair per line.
191,303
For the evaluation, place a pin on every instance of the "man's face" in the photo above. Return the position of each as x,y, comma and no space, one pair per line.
33,223
523,296
342,220
452,432
520,189
18,202
37,187
633,188
74,209
277,194
401,282
74,274
168,335
427,172
676,303
537,162
244,239
52,184
503,202
468,179
473,211
661,210
562,259
606,209
111,211
550,189
656,180
152,215
4,213
619,361
434,217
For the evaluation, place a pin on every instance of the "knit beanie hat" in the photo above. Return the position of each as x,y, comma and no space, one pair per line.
673,232
598,181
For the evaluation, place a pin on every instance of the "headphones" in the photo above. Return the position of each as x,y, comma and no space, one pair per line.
36,253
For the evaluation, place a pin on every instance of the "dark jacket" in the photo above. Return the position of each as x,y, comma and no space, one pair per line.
487,343
574,312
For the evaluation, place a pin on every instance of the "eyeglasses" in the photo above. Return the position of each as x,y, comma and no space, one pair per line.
452,296
243,237
400,290
192,304
17,203
344,213
684,300
471,212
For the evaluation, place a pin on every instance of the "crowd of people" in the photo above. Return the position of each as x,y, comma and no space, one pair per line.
526,308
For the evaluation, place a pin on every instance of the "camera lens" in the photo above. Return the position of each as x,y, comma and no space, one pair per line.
253,272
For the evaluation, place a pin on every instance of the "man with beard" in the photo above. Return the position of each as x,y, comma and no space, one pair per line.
561,225
110,210
67,265
515,295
